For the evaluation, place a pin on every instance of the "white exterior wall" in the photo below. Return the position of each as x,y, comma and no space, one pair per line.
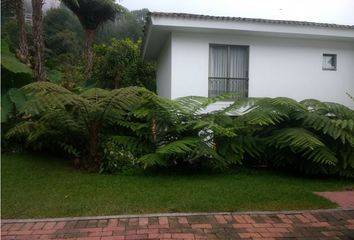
163,71
277,67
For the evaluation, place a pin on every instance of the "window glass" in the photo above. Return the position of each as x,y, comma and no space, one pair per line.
228,70
329,62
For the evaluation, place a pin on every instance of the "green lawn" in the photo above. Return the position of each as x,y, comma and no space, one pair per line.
35,187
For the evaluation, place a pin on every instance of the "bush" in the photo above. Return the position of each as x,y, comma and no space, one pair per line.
116,159
120,65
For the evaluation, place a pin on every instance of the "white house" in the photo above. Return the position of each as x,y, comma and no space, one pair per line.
203,55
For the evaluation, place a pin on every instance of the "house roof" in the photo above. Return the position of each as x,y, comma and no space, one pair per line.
160,25
250,20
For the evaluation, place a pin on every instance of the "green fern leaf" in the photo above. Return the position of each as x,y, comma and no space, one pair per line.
182,146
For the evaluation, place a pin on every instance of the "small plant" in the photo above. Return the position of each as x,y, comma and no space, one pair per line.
116,159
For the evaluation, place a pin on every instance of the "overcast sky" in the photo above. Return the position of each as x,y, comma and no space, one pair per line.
327,11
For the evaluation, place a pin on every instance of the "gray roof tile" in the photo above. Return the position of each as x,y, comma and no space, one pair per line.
251,20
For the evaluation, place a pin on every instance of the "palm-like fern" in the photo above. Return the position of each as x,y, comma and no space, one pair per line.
64,117
310,135
316,133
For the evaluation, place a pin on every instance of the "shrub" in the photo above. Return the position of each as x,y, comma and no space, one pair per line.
119,65
117,159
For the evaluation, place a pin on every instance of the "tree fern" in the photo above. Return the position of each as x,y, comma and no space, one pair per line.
62,113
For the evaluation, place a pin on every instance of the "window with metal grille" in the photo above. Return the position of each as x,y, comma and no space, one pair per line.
228,70
329,62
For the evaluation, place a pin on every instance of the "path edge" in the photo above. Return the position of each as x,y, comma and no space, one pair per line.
65,219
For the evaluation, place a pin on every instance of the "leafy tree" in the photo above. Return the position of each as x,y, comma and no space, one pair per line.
127,25
119,65
64,42
62,19
92,14
63,39
38,40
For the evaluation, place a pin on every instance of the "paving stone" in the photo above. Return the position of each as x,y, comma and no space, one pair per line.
321,225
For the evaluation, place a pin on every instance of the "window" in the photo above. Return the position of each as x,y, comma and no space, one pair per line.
228,70
329,62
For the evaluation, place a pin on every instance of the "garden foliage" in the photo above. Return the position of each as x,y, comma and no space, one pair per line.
119,64
132,127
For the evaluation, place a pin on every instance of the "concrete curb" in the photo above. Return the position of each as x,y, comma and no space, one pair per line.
169,215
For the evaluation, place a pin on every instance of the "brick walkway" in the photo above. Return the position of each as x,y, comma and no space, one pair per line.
333,224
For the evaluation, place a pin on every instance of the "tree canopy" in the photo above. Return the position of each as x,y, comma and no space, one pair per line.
92,13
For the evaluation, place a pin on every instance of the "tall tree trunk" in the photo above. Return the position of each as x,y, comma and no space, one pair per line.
38,41
22,52
88,53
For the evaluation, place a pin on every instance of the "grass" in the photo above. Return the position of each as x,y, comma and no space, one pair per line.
38,186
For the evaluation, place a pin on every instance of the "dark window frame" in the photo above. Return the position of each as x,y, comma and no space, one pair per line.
210,78
324,68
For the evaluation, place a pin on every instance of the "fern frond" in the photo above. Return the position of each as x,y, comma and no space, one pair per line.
182,146
299,139
333,110
70,149
196,104
335,128
44,88
134,126
95,94
263,116
22,129
47,96
133,144
321,155
153,159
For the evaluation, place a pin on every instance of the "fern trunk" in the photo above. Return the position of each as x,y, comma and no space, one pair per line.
89,34
22,52
38,41
93,161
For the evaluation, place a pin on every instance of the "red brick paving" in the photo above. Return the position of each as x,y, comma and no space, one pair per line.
324,225
343,199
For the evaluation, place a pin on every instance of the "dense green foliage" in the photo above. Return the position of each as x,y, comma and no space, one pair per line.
43,186
63,37
14,73
120,65
74,122
92,13
9,32
310,136
126,25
